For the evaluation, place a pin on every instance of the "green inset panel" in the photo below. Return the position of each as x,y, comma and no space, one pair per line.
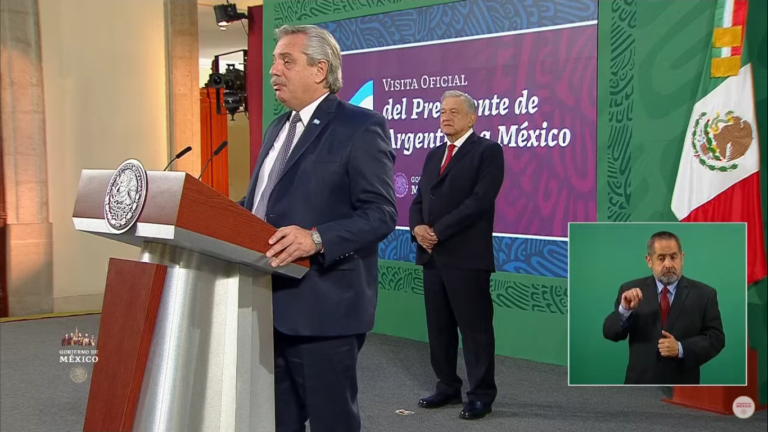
603,256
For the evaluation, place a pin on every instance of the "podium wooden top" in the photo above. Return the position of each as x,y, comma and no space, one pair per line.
181,211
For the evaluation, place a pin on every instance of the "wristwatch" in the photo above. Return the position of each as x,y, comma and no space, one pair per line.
317,240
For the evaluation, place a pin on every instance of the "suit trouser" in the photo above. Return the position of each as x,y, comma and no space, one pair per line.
461,298
316,380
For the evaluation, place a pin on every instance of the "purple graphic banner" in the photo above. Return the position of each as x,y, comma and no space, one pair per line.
536,95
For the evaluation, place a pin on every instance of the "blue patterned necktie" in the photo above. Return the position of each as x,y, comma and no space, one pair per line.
277,167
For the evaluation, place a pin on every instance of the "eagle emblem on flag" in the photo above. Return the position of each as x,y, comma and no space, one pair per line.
719,141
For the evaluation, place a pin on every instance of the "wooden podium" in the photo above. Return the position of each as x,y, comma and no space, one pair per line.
185,340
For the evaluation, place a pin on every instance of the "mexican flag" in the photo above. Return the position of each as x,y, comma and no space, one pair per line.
719,175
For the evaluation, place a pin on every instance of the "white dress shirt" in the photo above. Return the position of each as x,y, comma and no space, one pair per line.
458,144
269,161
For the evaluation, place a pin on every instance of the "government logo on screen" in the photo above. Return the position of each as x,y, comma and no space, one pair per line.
78,347
743,407
75,340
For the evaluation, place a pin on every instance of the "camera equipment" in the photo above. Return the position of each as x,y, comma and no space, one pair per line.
232,81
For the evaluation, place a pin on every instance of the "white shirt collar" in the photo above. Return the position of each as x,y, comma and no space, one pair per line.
461,140
306,113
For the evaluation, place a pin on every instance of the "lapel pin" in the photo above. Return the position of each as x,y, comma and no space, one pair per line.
316,121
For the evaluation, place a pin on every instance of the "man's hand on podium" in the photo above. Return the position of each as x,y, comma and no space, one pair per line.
294,243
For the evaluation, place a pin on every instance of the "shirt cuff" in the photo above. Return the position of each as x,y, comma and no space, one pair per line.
624,313
679,350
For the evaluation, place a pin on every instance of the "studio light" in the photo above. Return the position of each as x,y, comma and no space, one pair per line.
227,14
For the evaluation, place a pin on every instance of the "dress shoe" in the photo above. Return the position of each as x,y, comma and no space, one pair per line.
475,410
438,400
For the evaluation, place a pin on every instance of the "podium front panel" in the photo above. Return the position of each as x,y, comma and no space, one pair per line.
211,365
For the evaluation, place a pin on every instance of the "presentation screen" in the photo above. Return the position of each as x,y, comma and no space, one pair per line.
535,95
531,67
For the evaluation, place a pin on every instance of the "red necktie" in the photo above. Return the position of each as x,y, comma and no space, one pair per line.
451,148
664,306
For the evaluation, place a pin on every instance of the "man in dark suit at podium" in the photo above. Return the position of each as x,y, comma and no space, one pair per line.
451,219
673,322
324,177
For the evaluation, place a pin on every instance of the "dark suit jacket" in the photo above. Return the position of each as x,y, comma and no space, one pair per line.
339,179
694,320
459,204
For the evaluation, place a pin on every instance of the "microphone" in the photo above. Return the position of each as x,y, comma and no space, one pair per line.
178,156
215,153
